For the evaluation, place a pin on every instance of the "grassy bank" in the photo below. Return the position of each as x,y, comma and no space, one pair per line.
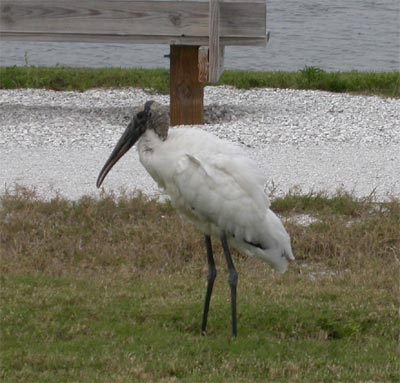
61,78
111,290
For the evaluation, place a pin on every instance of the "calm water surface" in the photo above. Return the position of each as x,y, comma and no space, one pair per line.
339,35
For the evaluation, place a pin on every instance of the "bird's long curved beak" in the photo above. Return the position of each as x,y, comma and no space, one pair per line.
131,134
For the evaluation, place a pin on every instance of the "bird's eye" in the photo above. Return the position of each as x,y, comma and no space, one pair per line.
140,115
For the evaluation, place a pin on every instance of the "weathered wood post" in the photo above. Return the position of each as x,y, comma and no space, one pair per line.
185,25
188,76
186,90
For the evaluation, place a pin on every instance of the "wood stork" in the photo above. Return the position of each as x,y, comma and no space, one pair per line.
214,185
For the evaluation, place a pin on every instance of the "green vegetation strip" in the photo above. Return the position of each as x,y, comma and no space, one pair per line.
63,78
111,290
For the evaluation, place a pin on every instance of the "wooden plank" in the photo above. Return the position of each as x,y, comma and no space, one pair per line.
214,49
129,39
243,19
186,91
105,16
203,64
129,20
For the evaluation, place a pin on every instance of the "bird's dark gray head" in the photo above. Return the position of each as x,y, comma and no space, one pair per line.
153,116
156,118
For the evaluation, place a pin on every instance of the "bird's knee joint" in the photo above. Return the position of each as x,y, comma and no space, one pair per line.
233,278
212,274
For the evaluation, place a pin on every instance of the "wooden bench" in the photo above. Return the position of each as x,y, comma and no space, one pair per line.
196,30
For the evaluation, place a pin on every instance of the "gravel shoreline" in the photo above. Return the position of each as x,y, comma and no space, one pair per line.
56,142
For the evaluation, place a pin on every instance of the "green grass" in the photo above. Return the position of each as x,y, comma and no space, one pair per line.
382,84
147,329
63,78
111,290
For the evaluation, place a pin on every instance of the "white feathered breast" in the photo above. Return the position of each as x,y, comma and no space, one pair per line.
216,186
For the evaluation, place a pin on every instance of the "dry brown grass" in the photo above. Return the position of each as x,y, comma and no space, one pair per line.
131,234
121,235
111,290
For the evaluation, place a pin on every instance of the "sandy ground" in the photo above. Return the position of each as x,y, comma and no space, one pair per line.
57,142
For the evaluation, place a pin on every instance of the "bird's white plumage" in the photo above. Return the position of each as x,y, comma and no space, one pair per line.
217,187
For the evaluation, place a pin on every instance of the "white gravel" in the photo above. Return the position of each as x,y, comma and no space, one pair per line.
58,141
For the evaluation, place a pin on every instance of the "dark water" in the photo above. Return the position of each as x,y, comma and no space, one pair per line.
339,35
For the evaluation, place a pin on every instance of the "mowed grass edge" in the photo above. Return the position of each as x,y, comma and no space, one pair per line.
111,289
66,79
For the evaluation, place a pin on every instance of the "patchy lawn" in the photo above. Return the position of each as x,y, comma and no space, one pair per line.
112,290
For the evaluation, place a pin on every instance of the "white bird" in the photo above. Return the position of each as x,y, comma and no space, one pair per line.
213,184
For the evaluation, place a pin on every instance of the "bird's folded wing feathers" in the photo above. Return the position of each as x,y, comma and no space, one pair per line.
225,191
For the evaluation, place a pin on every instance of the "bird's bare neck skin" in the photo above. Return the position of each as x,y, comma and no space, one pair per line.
149,141
159,123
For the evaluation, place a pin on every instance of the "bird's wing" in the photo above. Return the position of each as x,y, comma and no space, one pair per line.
223,191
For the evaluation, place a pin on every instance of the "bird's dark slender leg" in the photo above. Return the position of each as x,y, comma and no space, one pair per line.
232,280
212,274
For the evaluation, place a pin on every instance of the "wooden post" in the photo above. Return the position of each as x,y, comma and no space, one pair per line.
186,91
214,47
